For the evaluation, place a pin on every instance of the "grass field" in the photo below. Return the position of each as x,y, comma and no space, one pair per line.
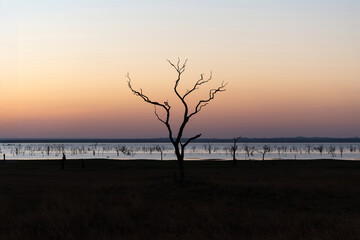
139,200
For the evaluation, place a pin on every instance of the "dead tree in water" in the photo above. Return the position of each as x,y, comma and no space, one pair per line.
265,149
234,148
208,147
332,150
341,149
177,142
320,149
249,150
159,149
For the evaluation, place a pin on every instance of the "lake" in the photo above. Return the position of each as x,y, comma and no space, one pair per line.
194,151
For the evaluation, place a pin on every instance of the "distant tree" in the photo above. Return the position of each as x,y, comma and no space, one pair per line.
341,149
177,141
208,147
159,149
234,148
125,150
320,149
332,150
293,149
151,149
265,149
352,148
308,148
249,150
117,149
281,150
193,148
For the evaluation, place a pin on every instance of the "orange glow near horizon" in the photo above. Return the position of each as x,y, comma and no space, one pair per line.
63,70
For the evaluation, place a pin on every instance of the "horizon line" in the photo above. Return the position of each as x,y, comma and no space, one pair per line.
298,139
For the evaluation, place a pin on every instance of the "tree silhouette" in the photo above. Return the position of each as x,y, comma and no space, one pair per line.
320,149
341,149
234,148
265,149
176,139
159,149
249,150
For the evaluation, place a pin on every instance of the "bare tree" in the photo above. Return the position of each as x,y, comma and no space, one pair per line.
320,149
117,149
332,150
265,149
125,150
48,150
249,150
193,148
341,149
159,149
352,148
281,151
234,148
208,147
176,139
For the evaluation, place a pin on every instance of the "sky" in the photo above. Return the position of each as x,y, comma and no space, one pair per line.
292,67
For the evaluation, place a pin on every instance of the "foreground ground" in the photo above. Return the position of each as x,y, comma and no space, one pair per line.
139,200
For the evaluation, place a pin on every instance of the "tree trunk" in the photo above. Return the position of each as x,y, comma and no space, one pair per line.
263,156
181,170
180,160
234,157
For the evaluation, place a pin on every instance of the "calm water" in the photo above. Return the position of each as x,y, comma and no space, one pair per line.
28,151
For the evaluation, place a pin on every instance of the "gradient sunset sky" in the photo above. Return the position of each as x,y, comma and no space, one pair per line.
293,67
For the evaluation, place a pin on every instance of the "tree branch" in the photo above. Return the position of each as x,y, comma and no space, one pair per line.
144,97
158,117
198,83
203,103
177,66
190,139
165,106
180,70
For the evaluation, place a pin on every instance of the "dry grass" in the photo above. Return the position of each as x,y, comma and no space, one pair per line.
138,200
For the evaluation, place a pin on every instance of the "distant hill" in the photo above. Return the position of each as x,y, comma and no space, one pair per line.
166,140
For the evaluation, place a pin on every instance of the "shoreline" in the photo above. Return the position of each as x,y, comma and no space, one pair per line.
186,160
